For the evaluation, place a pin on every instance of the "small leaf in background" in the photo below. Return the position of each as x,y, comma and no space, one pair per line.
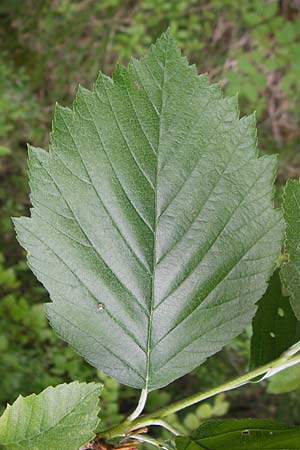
286,381
291,270
275,327
158,399
204,411
110,402
64,418
152,226
287,34
246,66
245,434
221,406
191,422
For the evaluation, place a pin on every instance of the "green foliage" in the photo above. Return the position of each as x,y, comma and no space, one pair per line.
15,104
191,421
291,270
129,160
252,46
45,51
248,434
63,417
206,411
28,348
286,381
275,327
111,397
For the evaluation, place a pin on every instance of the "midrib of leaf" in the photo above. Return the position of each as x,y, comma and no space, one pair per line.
181,187
206,250
133,128
180,349
35,436
152,301
219,179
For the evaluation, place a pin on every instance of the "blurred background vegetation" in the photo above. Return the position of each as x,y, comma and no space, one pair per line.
47,47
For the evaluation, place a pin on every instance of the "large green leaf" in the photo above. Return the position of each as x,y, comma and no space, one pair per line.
64,418
291,270
275,327
153,227
245,434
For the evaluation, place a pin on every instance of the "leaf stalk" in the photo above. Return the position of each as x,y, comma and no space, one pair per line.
141,404
129,426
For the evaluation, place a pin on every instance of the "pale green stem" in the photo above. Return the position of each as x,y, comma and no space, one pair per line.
140,406
166,425
128,426
147,439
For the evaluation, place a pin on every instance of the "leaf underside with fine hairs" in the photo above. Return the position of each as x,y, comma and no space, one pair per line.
153,227
291,270
64,418
244,434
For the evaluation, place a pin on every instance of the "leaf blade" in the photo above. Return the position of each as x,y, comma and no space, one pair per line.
275,327
155,234
248,434
63,417
290,270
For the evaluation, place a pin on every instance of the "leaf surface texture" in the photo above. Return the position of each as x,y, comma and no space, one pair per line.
291,270
244,434
64,418
152,226
275,327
